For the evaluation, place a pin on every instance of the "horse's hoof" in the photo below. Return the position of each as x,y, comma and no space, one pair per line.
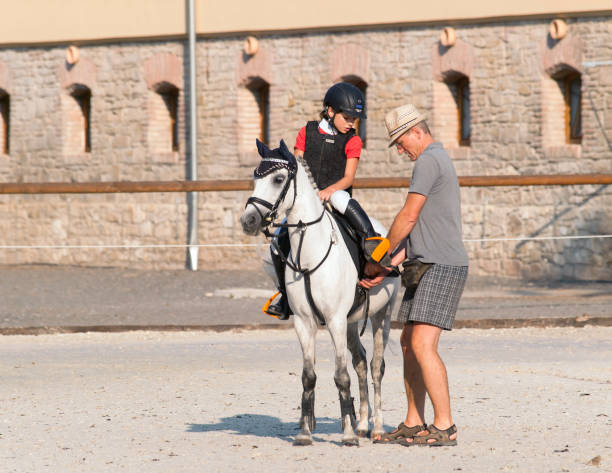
302,441
351,442
363,433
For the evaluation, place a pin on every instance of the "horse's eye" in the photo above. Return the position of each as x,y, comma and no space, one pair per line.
279,179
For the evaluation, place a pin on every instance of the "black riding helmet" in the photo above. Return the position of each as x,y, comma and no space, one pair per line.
345,97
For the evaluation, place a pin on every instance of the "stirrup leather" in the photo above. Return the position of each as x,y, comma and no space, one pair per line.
376,249
266,306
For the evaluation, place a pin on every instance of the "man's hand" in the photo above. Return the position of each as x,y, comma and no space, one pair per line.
370,283
375,274
372,269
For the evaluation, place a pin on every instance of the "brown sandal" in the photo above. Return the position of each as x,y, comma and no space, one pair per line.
441,438
400,433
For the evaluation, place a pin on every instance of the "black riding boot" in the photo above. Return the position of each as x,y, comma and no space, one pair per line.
374,246
281,309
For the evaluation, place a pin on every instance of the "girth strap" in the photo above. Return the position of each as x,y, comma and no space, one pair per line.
311,301
367,310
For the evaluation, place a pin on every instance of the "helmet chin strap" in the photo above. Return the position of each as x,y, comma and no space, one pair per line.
330,120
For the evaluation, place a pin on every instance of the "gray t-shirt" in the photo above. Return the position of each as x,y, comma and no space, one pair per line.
436,236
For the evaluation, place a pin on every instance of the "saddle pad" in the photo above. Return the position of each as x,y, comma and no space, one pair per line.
353,244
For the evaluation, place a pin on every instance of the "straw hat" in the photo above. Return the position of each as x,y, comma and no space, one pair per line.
400,120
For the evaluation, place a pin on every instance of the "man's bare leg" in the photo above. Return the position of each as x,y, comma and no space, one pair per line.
413,381
424,343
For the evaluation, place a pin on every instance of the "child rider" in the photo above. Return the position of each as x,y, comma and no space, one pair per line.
332,150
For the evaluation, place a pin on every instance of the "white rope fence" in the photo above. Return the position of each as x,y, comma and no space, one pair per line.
69,247
573,237
244,245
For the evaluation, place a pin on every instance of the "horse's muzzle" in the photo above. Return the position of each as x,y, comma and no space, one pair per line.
251,221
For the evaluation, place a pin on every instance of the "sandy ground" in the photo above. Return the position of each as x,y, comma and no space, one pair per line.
524,400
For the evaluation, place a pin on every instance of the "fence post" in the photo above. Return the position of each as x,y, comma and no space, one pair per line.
192,197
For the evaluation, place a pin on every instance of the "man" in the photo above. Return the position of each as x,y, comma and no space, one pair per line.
426,229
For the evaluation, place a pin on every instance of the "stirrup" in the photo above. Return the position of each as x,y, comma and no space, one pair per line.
266,306
273,313
376,249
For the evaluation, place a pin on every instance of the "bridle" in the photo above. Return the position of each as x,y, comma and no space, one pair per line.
267,220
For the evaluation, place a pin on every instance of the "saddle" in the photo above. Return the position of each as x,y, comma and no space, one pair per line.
353,244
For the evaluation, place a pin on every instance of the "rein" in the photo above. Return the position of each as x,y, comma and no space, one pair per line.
301,227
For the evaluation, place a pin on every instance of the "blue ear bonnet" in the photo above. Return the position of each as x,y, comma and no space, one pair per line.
273,159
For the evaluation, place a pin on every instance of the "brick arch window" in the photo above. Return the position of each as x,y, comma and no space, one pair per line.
77,82
254,113
163,119
163,74
5,124
78,114
561,96
360,126
452,95
562,108
453,111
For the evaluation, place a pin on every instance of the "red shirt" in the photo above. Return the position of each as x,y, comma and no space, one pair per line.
352,149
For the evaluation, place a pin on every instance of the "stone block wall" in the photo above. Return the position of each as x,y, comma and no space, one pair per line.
509,67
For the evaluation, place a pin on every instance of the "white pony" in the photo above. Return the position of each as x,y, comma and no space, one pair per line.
321,279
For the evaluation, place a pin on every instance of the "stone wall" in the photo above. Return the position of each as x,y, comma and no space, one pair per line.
509,67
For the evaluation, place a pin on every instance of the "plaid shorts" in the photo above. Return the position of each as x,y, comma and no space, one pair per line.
436,298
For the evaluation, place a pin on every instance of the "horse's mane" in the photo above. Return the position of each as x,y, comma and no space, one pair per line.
304,164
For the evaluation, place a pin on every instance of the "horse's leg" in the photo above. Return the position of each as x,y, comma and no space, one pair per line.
381,323
360,364
338,332
306,330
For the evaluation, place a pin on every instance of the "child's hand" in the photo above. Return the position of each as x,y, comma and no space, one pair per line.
326,193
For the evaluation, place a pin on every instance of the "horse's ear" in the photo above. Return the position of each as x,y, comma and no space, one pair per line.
262,148
286,153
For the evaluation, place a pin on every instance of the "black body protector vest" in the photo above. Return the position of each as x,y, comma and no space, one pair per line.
325,155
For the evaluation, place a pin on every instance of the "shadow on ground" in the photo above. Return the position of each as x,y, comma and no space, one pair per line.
266,427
